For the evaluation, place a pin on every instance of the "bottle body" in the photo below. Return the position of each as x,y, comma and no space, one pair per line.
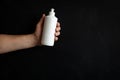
48,33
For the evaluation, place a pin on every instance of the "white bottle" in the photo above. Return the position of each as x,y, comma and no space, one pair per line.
49,27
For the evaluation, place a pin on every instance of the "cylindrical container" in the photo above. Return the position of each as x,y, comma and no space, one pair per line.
49,26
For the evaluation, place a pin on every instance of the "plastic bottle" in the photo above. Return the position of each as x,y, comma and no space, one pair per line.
49,26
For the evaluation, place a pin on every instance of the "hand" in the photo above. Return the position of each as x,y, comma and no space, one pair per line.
38,31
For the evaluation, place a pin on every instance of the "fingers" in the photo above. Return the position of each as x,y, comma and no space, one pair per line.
56,38
58,28
57,33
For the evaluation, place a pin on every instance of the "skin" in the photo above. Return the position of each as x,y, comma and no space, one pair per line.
10,43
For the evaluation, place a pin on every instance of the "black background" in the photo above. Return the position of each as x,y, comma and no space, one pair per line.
88,47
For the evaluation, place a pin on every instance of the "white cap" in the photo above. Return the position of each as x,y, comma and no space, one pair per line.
52,13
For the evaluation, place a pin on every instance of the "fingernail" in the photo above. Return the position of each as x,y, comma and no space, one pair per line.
43,15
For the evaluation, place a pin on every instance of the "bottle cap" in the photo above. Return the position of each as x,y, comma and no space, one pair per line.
52,13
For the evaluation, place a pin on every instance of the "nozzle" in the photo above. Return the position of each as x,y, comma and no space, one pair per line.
52,9
52,13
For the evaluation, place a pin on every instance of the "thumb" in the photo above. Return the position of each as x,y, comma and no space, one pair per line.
39,26
41,21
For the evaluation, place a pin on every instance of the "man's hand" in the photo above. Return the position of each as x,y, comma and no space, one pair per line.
38,31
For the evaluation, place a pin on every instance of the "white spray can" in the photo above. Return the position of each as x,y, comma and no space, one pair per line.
49,27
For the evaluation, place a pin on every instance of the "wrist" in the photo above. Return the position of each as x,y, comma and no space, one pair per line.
34,40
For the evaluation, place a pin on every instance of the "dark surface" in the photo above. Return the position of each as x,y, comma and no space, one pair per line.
88,47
